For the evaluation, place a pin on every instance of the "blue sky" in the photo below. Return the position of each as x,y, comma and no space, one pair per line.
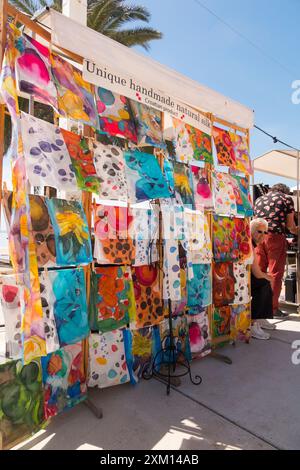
196,44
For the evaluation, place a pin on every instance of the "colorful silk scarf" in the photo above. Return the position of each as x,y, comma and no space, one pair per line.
66,294
202,191
241,152
147,293
183,147
72,236
148,123
21,404
47,159
225,243
33,70
48,304
141,347
200,336
241,285
193,230
240,329
224,147
243,238
199,287
171,276
111,299
42,229
223,284
181,339
110,168
224,195
204,255
11,296
244,202
221,322
144,177
113,240
63,379
82,162
184,185
115,115
145,232
107,361
75,96
201,144
20,235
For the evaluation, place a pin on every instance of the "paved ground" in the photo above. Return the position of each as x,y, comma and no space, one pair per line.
251,404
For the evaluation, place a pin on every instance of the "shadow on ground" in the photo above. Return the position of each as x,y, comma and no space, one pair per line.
251,404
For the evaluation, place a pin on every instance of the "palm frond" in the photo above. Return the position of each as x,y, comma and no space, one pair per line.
99,13
126,15
26,6
32,6
44,3
107,17
135,36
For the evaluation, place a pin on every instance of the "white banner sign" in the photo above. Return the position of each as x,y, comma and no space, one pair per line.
127,86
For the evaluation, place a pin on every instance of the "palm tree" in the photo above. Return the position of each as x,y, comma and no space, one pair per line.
108,17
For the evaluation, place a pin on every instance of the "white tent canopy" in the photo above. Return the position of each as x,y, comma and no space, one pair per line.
278,162
103,51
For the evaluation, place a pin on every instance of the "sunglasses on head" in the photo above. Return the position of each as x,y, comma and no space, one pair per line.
262,231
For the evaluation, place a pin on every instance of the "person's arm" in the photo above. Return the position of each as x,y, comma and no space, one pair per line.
257,272
290,218
290,223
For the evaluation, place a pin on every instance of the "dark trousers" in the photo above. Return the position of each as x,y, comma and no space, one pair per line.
271,256
261,305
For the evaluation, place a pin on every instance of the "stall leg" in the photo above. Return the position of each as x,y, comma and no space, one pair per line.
221,357
93,408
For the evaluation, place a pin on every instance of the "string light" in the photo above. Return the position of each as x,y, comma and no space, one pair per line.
275,139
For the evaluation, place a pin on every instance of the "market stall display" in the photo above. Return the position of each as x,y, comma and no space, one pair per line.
94,301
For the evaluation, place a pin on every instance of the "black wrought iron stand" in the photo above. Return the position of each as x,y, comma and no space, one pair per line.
169,359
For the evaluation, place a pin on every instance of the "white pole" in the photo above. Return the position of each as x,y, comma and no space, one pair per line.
75,9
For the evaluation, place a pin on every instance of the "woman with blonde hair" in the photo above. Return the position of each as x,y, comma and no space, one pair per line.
261,306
